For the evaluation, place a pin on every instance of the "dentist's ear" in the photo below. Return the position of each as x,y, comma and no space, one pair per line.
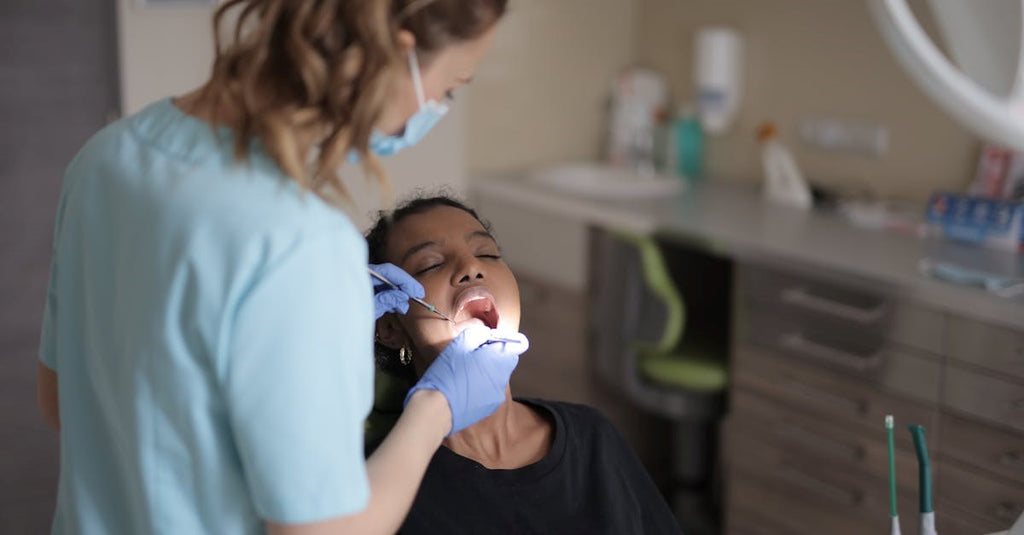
390,332
406,40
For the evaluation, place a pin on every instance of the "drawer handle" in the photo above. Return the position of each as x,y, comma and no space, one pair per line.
1012,459
847,497
800,297
816,442
1007,512
799,343
855,406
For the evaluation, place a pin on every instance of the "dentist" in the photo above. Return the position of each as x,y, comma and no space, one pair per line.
206,350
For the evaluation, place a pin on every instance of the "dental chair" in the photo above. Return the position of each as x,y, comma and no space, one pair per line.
638,336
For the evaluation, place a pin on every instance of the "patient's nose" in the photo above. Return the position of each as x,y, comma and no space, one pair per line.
471,270
466,278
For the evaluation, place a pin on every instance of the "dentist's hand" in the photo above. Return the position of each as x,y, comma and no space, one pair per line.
386,298
472,373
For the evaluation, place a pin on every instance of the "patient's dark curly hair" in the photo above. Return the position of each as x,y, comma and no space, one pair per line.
377,243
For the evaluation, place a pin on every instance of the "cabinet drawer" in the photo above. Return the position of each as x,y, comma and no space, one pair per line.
802,495
858,304
995,400
963,490
752,500
791,511
824,439
853,352
827,395
996,348
995,450
743,522
918,327
952,523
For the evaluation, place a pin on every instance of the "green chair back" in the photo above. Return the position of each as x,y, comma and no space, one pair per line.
659,282
696,366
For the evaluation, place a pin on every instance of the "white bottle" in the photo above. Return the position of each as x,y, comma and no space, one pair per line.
783,181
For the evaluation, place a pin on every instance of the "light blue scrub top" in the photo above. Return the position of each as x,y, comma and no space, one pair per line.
211,329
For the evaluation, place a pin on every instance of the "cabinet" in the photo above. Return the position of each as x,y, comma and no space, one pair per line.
818,361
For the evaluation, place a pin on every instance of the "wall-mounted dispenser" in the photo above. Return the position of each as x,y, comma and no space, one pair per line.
718,74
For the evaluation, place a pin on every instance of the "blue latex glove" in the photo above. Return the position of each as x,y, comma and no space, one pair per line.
386,298
472,373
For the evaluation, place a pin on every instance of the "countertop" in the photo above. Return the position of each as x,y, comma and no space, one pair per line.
732,220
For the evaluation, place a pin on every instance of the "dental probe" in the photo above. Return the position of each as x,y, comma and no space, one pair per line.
416,300
505,340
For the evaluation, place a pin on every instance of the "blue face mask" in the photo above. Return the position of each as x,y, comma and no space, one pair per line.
949,272
430,112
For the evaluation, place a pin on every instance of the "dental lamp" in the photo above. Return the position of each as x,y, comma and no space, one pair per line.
985,90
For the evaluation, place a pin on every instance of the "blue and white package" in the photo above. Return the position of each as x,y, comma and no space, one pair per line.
989,222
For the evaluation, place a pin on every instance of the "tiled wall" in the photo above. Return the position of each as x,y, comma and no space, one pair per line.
821,57
540,96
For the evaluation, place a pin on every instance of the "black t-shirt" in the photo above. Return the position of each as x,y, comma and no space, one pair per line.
589,483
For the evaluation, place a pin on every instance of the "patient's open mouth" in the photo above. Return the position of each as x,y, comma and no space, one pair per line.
476,305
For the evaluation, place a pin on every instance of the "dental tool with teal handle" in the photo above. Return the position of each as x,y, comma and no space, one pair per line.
893,512
924,480
416,300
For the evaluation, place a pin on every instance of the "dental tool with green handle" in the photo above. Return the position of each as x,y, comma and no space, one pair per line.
924,480
893,512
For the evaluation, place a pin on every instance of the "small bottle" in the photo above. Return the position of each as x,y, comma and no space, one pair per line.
644,151
689,145
783,181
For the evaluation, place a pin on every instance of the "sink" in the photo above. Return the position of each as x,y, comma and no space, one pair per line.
609,183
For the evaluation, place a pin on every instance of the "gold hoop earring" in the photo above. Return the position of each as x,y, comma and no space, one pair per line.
405,356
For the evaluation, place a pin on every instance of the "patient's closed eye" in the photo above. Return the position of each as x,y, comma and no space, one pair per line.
429,268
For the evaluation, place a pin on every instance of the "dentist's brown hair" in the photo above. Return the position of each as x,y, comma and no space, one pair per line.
310,78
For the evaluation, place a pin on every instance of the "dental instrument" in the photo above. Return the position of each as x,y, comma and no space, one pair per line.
506,340
893,512
416,300
924,480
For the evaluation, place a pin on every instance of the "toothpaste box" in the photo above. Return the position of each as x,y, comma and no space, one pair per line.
985,221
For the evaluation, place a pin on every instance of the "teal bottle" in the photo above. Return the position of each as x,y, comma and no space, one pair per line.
689,138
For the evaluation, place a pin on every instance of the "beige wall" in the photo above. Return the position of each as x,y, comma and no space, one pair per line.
163,51
820,57
540,95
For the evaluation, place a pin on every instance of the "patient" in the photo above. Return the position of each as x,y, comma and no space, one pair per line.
534,466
